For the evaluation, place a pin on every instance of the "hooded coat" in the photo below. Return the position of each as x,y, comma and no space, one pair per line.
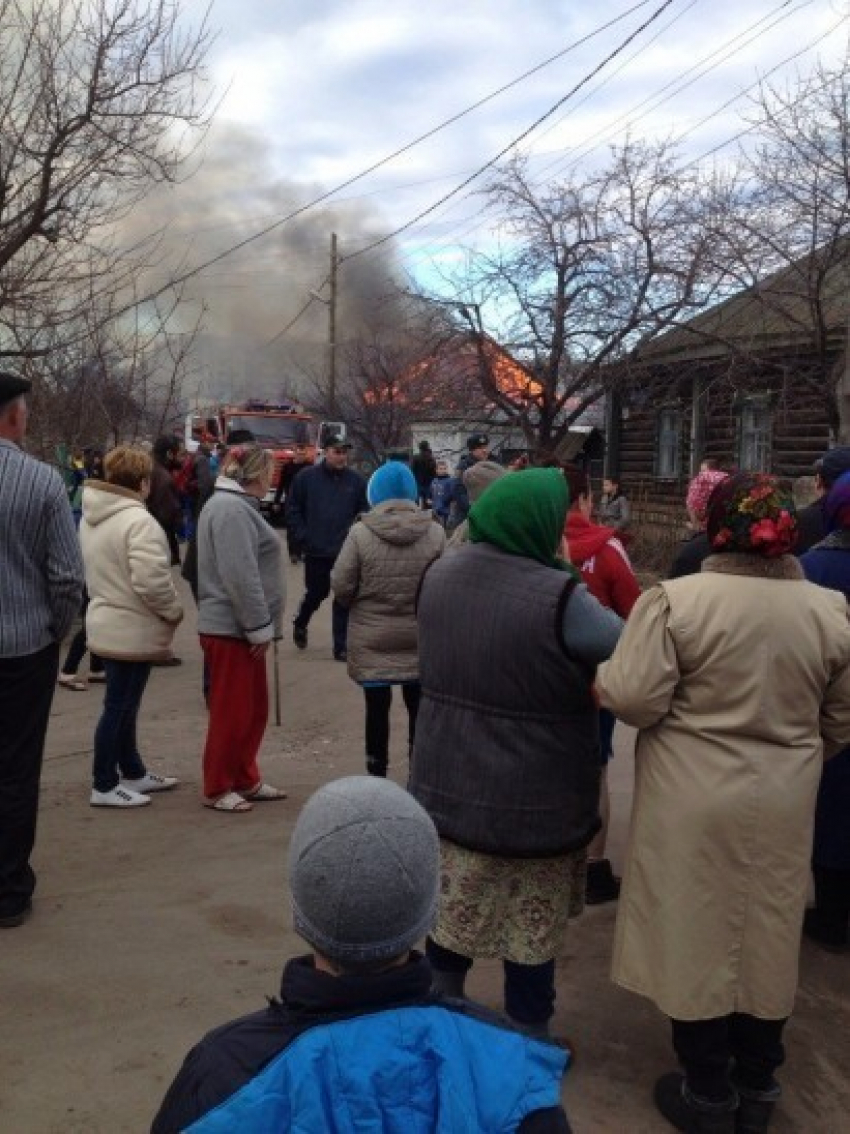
133,609
739,682
604,565
377,576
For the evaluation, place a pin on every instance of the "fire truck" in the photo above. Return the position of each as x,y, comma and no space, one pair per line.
281,427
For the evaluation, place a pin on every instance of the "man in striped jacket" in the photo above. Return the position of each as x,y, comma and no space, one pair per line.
41,581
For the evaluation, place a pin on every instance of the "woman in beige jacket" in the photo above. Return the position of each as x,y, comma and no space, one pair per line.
738,679
132,615
377,576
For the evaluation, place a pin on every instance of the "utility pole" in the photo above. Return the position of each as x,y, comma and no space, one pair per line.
332,330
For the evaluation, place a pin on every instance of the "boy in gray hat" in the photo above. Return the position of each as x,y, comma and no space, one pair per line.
357,1039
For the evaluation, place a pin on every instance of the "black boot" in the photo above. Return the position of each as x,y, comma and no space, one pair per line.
694,1115
376,765
448,983
602,884
754,1115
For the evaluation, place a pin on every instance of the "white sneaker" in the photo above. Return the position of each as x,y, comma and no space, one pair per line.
150,781
119,797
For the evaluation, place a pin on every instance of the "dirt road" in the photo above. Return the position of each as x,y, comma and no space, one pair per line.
151,926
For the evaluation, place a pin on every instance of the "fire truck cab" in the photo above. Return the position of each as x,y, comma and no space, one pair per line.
281,427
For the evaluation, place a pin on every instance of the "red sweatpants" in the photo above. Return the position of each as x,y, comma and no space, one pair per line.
239,710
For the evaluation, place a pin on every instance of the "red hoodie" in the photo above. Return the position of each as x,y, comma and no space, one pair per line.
603,563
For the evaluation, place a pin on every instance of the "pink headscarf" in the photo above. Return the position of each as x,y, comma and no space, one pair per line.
699,490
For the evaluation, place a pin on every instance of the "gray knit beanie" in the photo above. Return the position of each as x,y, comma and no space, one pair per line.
478,476
363,870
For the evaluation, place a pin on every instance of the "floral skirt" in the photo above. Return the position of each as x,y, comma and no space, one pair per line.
515,909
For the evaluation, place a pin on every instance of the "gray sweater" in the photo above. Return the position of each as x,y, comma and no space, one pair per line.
241,589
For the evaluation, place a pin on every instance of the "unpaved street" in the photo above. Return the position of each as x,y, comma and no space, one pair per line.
151,926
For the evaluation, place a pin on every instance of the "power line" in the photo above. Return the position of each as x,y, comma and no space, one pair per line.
683,136
403,149
310,301
515,142
748,129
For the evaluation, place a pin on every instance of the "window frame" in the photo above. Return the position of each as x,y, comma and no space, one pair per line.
670,448
755,441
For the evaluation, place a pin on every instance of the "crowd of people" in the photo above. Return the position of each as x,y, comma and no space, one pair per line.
518,638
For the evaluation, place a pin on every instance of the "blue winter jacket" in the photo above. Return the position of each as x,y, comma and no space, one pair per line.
368,1053
440,493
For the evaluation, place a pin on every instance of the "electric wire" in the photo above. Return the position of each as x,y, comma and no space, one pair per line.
515,142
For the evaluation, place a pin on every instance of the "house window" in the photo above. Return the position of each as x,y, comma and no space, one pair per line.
754,437
669,451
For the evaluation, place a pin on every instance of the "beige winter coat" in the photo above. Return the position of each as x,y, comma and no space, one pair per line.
377,576
738,679
133,608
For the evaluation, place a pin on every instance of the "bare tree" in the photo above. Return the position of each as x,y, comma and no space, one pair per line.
119,377
790,245
99,100
587,269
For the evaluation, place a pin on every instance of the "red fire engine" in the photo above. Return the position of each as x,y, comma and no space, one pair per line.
281,427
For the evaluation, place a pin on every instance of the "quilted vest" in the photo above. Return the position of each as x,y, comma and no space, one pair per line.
506,759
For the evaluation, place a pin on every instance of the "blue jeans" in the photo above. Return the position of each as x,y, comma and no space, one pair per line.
115,748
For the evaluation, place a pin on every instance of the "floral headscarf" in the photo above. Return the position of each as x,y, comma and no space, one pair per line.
836,506
699,490
752,513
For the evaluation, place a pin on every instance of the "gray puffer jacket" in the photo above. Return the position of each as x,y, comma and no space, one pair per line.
377,576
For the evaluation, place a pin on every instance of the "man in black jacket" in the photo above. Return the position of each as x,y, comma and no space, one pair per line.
357,1038
810,523
323,503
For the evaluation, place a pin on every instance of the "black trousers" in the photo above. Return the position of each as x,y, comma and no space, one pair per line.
317,580
27,685
708,1048
379,699
529,989
832,902
78,647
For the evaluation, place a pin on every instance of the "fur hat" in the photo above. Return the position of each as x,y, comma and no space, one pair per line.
478,476
363,871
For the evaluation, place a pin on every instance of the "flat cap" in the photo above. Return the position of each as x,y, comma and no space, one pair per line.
11,386
833,463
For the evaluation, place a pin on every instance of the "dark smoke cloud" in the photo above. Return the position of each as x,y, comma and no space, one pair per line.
251,295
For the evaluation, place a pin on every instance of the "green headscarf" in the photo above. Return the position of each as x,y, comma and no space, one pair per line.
523,514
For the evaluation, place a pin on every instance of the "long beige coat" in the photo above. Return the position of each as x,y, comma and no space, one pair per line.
737,682
377,576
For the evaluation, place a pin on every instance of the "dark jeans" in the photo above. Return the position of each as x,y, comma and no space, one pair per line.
78,647
27,685
529,989
707,1047
378,701
115,746
317,580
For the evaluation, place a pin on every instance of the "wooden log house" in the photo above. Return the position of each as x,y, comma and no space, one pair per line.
755,382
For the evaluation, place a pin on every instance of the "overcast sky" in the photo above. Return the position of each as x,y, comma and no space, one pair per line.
318,90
